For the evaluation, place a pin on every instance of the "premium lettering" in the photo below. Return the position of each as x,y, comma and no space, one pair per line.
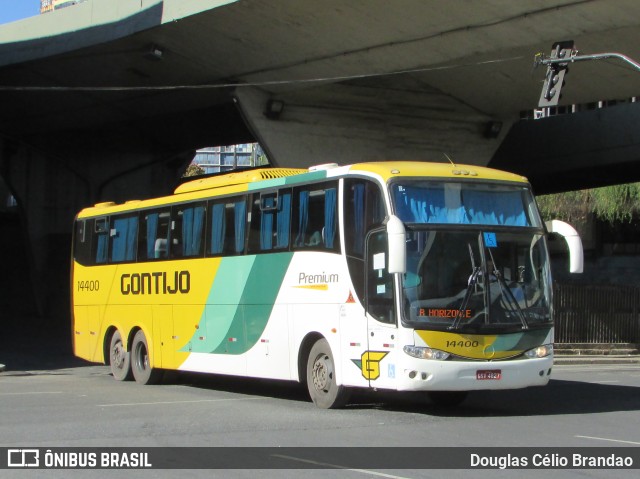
159,282
322,278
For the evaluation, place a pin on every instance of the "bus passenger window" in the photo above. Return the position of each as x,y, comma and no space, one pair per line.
270,221
82,241
227,224
218,227
240,222
154,234
187,230
101,240
123,238
315,218
262,214
283,221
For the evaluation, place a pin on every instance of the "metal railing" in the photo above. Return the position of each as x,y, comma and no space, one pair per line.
596,313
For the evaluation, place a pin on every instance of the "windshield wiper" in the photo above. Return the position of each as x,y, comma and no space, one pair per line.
506,293
473,280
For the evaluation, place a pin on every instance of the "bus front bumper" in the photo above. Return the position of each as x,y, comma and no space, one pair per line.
432,375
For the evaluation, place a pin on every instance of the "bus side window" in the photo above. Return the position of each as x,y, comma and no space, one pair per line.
363,210
187,229
283,221
315,217
153,236
100,241
240,226
227,225
257,242
123,238
270,221
379,280
218,227
82,241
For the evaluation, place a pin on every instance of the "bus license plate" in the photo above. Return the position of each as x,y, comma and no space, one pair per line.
489,374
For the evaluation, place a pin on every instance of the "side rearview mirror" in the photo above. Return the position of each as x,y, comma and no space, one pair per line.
571,236
396,236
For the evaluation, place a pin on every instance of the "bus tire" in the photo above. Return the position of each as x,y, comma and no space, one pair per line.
447,398
143,373
119,358
321,378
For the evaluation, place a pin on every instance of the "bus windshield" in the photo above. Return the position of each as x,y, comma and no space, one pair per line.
440,202
476,280
476,257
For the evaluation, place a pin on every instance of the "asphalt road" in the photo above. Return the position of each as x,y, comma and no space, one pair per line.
76,404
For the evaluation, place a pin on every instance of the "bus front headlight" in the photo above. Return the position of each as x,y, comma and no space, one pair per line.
425,353
540,352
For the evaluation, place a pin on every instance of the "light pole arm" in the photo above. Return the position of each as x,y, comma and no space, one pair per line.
578,58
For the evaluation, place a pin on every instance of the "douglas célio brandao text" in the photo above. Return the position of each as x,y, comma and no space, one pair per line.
550,461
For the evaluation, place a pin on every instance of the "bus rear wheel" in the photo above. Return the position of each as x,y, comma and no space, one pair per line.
143,373
119,358
321,378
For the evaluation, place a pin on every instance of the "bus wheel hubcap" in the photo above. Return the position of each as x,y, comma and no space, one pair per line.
117,355
321,374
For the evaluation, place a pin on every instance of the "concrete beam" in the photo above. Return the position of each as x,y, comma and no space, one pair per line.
357,121
588,149
91,23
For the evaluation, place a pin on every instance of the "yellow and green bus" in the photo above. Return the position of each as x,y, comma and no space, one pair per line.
407,276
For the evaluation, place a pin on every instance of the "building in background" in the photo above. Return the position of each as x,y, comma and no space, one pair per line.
46,6
218,159
49,5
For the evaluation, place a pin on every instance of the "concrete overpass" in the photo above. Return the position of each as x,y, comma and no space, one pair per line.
109,99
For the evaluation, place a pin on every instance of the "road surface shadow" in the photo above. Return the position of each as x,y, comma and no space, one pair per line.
558,397
27,353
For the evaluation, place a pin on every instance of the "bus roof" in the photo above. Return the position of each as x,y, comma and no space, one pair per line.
392,169
258,178
239,177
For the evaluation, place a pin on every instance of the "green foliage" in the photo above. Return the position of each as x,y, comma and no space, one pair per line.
610,203
193,170
262,160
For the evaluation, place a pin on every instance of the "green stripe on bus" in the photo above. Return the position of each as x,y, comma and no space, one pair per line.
520,341
288,180
257,301
221,305
239,304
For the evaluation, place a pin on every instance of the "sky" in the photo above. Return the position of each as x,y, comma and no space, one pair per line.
12,10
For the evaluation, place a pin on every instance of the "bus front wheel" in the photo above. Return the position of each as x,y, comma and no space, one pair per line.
119,358
143,373
321,378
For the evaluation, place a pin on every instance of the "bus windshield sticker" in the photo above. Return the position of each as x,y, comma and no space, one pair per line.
490,240
378,261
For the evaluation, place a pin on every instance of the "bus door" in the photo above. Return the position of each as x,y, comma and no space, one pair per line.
379,360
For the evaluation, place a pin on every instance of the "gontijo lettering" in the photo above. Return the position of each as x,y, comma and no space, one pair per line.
158,282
